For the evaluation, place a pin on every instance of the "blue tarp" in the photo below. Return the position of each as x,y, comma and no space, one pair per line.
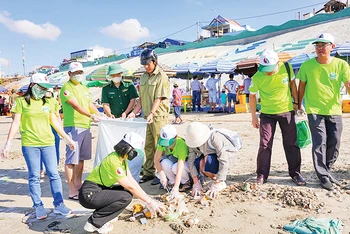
218,66
298,60
3,89
342,50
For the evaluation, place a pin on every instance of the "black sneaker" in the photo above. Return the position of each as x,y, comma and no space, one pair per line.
186,186
146,178
155,181
326,183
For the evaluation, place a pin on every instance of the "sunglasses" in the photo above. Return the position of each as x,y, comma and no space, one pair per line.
132,154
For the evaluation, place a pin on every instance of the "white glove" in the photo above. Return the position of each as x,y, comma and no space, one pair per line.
71,144
174,194
155,208
215,188
6,150
197,189
95,118
300,112
163,179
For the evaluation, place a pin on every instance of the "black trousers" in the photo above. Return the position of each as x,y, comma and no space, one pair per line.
267,129
107,202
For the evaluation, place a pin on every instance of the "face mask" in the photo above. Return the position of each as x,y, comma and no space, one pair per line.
117,79
78,78
37,92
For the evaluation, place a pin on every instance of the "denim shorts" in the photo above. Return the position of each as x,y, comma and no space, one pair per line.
231,97
177,111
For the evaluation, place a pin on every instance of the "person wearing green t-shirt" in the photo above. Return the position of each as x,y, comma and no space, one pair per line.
118,97
170,161
33,115
110,187
276,87
154,101
78,112
320,80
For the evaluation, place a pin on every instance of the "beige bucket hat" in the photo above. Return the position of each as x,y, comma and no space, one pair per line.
197,134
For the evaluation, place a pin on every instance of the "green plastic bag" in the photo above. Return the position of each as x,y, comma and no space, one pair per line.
303,134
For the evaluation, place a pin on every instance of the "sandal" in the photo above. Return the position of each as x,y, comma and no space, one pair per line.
299,180
75,197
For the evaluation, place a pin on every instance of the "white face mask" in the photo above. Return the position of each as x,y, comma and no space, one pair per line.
78,78
117,79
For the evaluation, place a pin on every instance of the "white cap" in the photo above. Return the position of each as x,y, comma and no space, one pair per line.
136,141
325,38
268,60
197,134
75,66
40,79
167,134
50,90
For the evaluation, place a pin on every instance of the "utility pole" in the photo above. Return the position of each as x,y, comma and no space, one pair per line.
23,61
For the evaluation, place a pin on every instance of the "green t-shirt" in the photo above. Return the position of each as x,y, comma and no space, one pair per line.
180,150
54,103
118,98
35,122
275,95
112,168
323,83
81,93
156,85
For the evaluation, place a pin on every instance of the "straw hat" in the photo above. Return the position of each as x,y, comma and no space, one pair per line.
197,134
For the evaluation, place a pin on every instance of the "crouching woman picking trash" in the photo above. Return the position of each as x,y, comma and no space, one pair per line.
209,153
109,188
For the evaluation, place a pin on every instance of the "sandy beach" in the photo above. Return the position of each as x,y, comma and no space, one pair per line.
260,209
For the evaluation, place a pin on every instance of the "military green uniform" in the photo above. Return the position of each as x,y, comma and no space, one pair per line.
152,86
118,98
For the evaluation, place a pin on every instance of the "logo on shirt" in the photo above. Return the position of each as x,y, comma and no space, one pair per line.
66,93
124,90
333,76
120,171
86,94
285,80
46,109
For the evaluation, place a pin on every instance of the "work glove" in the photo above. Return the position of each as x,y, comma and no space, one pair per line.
174,194
156,208
131,115
163,179
73,145
197,189
6,150
95,118
215,188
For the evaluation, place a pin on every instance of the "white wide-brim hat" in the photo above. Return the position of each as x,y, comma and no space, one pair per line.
197,134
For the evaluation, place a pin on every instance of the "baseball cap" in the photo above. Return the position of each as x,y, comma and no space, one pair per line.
75,66
176,85
324,37
40,79
136,141
167,135
115,69
50,90
268,60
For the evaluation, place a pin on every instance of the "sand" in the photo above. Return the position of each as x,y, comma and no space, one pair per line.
234,211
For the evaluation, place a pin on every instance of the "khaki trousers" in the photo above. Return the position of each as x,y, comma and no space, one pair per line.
152,135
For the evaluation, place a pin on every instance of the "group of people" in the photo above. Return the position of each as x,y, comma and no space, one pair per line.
177,163
320,81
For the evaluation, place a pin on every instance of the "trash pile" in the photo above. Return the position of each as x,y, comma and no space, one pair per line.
280,195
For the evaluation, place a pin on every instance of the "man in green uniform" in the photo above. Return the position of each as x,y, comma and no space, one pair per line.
276,87
78,112
154,101
320,80
118,98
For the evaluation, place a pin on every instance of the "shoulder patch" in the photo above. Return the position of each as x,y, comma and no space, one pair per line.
120,171
66,93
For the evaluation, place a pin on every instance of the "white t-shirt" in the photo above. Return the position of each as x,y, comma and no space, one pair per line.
232,86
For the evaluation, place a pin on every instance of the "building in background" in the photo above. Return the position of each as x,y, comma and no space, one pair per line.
86,55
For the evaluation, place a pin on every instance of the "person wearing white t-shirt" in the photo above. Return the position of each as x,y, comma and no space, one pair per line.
212,91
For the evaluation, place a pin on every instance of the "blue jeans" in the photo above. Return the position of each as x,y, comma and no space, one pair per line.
32,155
135,167
196,100
57,146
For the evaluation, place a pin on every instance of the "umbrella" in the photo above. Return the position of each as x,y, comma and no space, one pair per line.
98,74
96,83
3,89
217,66
187,71
247,66
24,88
298,60
58,78
342,50
170,72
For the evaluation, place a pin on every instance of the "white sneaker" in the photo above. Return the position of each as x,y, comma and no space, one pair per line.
221,186
62,210
107,227
40,212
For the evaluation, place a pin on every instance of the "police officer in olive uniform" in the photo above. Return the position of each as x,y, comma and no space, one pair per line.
154,101
118,98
